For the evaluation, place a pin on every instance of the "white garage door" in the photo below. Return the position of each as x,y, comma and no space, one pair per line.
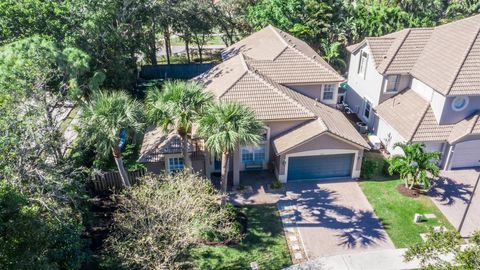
466,154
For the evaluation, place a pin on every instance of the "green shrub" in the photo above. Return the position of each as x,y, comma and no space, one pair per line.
276,185
32,238
374,166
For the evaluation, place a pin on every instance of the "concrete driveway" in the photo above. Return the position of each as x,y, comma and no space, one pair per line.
335,218
452,194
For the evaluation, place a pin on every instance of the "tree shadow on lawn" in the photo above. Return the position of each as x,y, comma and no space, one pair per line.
359,228
447,191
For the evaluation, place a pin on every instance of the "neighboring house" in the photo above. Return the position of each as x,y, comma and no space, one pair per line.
294,92
421,85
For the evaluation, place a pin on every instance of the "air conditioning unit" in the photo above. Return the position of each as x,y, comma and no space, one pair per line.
362,127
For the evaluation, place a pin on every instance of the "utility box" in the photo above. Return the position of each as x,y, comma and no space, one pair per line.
417,218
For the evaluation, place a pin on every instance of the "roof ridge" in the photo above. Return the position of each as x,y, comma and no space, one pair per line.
245,66
475,120
311,59
408,31
467,53
272,28
267,81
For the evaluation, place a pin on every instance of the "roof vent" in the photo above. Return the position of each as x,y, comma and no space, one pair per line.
316,102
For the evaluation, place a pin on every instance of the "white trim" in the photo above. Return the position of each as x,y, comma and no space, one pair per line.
324,152
365,101
168,157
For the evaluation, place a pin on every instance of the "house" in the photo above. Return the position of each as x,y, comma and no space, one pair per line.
421,85
294,92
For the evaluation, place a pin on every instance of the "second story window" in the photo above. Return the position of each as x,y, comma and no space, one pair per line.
362,65
392,83
328,91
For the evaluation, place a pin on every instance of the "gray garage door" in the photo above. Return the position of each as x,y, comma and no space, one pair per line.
466,154
318,167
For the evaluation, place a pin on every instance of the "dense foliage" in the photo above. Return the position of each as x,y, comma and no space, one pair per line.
163,216
445,250
41,192
32,237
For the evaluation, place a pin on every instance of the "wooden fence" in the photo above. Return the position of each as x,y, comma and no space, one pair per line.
111,181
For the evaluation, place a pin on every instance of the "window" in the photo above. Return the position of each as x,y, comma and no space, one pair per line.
247,156
362,65
175,164
459,103
328,91
253,154
392,83
367,109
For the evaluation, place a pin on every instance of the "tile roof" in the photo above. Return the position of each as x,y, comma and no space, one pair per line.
291,68
298,135
430,130
265,97
409,51
447,57
257,80
268,101
466,127
283,57
447,49
404,112
413,117
157,143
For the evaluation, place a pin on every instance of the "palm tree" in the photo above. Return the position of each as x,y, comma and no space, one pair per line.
176,108
415,164
225,126
331,54
104,117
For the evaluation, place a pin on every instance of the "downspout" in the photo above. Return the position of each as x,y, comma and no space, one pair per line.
448,160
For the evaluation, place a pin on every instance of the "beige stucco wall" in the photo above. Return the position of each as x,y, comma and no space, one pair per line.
315,91
278,127
327,143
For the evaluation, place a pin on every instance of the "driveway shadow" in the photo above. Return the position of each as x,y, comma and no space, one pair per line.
320,207
447,191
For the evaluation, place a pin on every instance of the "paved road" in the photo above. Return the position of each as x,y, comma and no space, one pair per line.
336,218
452,194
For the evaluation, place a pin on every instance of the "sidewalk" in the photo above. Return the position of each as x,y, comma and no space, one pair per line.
375,260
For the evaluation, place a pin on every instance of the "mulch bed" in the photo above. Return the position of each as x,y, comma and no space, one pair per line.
412,193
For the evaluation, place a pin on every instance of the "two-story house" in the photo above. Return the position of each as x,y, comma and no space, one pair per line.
421,85
293,91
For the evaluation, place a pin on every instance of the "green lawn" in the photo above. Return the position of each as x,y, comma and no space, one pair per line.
264,243
396,211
